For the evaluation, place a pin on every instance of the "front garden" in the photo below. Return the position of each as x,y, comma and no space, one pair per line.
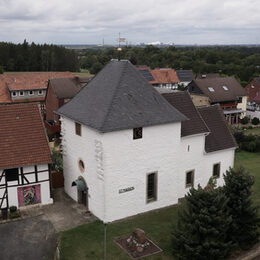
86,241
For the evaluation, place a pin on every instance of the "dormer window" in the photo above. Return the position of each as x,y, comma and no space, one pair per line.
138,133
225,88
31,93
40,92
240,99
14,94
21,93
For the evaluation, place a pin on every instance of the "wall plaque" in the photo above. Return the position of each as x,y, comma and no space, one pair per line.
126,189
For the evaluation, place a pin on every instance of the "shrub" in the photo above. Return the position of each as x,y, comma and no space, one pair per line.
13,209
255,121
244,228
15,214
245,120
58,162
201,230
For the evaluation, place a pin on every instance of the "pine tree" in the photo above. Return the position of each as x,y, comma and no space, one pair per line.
202,226
244,230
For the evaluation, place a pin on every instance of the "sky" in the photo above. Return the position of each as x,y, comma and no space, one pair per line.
91,21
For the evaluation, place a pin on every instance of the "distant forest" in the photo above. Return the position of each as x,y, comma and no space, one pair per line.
35,57
241,62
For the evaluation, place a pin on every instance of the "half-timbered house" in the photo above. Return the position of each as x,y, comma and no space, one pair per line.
25,157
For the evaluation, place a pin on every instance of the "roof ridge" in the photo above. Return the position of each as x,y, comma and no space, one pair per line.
114,93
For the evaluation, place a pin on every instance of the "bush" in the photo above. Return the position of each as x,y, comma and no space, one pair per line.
15,214
58,162
244,228
201,231
255,121
13,209
245,120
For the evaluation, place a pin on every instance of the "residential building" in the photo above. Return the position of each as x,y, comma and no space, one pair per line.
128,149
27,86
185,77
165,78
225,91
59,92
25,157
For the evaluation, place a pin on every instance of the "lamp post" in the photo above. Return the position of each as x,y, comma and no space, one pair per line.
105,241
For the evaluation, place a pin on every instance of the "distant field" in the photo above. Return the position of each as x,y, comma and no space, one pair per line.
83,73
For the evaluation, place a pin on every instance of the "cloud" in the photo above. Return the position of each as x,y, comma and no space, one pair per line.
85,21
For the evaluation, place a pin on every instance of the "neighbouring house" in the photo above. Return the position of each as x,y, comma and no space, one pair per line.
225,91
165,78
253,91
146,73
185,77
59,92
27,86
25,157
128,149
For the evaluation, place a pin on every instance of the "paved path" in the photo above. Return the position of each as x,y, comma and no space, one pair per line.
35,237
27,239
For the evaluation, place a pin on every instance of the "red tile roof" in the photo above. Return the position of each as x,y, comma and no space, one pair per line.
23,137
27,81
164,76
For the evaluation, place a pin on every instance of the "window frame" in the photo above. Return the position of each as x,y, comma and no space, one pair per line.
190,185
155,191
11,176
30,93
40,92
216,176
14,94
135,136
21,95
78,129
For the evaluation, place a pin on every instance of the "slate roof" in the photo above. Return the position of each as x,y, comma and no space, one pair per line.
23,137
182,101
220,137
119,97
164,76
219,94
185,75
67,87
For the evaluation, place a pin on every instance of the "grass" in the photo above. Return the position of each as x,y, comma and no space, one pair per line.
86,241
83,73
251,162
253,131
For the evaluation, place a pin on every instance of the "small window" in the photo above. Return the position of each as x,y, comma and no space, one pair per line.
211,89
31,93
216,170
81,166
151,192
21,93
225,88
12,174
240,99
40,92
78,129
189,178
138,133
14,94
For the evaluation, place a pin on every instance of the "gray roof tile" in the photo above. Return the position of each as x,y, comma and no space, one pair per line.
119,98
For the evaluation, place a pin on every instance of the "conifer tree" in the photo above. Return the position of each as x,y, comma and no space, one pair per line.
243,231
201,233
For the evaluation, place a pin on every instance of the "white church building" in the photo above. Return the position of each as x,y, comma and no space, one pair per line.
128,149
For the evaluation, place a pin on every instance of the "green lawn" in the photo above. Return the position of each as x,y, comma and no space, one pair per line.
83,73
86,241
253,131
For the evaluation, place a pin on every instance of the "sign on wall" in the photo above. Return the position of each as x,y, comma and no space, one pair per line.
126,189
